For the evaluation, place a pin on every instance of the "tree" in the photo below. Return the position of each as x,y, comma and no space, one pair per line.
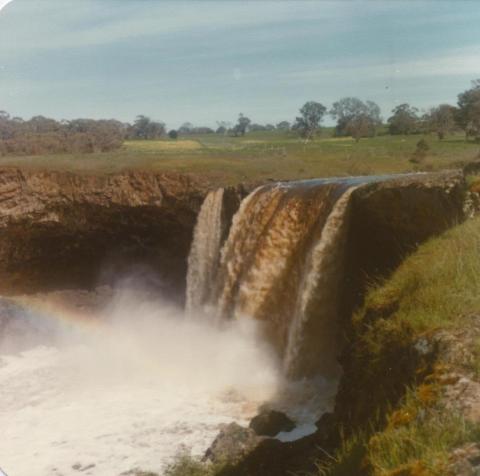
441,120
355,118
404,120
41,135
145,128
173,134
202,130
242,125
185,128
308,124
420,152
256,127
283,126
468,116
223,127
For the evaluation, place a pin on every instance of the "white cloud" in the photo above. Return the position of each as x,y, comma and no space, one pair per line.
458,62
89,23
3,3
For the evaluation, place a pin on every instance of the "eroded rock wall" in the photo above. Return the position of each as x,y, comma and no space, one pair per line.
59,229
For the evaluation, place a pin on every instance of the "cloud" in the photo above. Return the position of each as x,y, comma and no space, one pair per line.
3,3
458,62
71,24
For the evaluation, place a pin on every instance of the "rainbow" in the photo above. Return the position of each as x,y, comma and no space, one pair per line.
55,312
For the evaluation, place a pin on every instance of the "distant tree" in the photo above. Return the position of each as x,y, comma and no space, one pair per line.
40,124
441,120
468,116
283,126
256,127
420,152
404,120
202,130
41,135
173,134
185,128
223,127
242,125
96,136
355,118
145,128
308,124
269,127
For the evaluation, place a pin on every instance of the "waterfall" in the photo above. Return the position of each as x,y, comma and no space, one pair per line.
282,264
313,333
204,252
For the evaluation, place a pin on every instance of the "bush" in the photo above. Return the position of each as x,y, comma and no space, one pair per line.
421,151
41,135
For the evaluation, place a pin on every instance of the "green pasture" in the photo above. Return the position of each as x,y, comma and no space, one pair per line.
265,155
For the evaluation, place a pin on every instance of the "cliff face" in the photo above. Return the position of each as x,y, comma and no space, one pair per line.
59,229
391,218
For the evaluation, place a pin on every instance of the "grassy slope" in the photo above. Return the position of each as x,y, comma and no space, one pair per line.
437,287
259,156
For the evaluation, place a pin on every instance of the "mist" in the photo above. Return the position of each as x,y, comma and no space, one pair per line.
126,385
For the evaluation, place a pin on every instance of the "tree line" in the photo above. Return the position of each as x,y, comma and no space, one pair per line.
354,118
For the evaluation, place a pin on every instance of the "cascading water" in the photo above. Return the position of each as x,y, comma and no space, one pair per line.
313,333
205,251
282,264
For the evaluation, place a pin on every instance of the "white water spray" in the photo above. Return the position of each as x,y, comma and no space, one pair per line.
130,392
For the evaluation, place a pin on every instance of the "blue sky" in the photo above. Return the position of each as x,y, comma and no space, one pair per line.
204,61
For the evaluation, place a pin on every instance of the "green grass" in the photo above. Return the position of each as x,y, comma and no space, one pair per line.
437,287
263,155
418,448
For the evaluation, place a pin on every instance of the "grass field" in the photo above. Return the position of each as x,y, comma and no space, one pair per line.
259,156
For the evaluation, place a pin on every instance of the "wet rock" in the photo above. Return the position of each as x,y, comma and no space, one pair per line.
232,443
270,423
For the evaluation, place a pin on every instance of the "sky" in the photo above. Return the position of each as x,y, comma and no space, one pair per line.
207,61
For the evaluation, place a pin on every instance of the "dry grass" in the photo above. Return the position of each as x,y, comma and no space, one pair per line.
162,145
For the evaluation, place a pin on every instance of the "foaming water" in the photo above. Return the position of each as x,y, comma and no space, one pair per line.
133,390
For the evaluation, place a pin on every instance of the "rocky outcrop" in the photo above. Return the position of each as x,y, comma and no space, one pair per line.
59,229
271,422
390,218
233,443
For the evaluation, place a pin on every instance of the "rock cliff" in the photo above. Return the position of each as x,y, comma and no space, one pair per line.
59,229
